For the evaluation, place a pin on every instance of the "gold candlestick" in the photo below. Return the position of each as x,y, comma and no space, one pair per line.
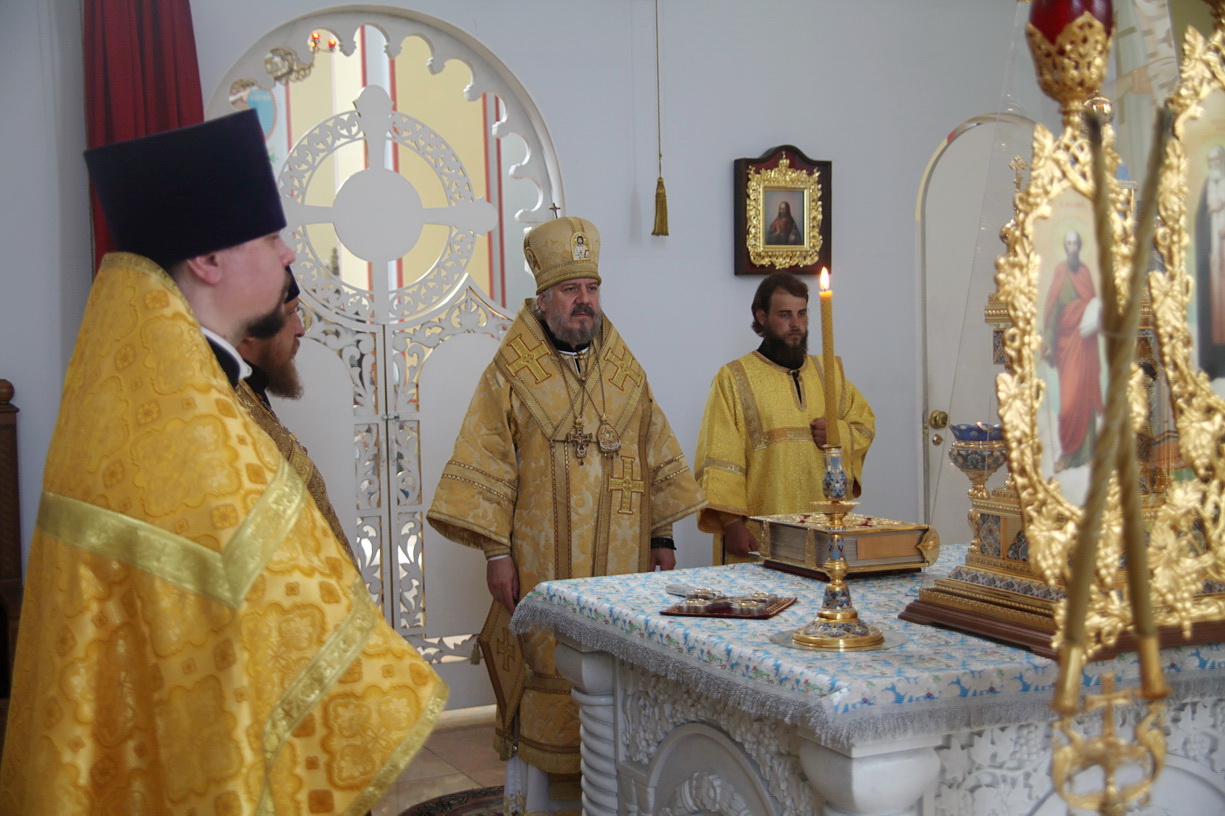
837,626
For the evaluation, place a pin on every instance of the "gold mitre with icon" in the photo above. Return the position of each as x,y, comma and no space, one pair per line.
562,249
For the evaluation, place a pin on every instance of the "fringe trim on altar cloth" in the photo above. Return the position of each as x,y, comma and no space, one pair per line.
837,730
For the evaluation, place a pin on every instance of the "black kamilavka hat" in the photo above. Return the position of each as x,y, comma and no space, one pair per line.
190,191
294,290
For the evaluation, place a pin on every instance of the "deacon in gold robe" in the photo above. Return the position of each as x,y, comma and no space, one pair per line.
194,638
565,467
273,372
759,447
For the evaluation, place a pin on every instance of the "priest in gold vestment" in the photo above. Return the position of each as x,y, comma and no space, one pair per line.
273,372
565,467
759,448
194,639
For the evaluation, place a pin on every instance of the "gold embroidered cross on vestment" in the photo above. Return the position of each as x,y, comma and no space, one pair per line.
626,485
625,370
505,649
528,358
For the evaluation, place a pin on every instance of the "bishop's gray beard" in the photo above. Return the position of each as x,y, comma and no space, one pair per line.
576,338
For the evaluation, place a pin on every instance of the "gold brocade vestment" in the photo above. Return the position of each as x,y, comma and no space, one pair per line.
194,640
756,454
515,485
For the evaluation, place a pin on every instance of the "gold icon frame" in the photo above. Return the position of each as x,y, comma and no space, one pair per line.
1181,515
782,174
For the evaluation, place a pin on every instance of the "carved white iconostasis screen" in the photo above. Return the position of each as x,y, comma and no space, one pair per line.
410,163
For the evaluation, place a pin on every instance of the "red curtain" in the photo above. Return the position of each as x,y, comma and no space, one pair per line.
141,77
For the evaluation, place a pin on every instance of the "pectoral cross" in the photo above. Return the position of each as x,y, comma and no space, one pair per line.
579,439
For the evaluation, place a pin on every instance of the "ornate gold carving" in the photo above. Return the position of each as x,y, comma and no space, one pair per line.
1217,8
1060,180
1062,537
283,65
1107,754
990,604
1004,566
1071,69
929,546
1179,560
1187,544
784,176
995,312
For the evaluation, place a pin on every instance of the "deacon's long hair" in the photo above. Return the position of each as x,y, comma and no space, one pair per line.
765,291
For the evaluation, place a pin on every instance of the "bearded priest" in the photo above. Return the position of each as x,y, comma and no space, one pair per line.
194,639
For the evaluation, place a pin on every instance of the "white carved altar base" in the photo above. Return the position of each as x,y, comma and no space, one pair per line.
655,747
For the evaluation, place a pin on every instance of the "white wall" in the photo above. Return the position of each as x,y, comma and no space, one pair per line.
45,254
871,85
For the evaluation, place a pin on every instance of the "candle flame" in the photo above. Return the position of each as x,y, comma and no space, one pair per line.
825,279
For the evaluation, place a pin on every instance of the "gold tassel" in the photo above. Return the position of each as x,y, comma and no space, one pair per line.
661,208
661,195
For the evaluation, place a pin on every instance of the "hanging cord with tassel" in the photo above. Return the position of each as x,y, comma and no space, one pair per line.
661,195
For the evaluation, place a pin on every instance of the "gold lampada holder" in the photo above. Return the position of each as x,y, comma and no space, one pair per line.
1070,70
1107,753
837,626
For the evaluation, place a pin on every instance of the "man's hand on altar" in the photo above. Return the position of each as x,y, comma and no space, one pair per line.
663,558
737,540
503,580
817,426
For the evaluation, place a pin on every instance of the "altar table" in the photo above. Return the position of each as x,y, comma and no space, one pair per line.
688,715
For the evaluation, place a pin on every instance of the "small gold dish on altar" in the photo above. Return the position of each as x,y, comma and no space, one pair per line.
748,606
695,605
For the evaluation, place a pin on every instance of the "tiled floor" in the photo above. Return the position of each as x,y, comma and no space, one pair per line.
455,757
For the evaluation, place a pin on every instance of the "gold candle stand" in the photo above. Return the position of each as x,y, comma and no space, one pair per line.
837,626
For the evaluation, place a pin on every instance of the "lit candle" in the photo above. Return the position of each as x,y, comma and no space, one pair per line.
827,354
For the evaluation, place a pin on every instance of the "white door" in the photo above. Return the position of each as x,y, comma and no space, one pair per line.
966,199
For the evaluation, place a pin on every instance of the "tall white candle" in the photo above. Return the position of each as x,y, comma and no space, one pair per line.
827,356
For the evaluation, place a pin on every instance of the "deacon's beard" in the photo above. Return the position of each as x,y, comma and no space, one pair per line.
784,353
283,380
267,325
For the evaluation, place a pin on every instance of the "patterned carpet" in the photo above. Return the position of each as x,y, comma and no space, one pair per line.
476,802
